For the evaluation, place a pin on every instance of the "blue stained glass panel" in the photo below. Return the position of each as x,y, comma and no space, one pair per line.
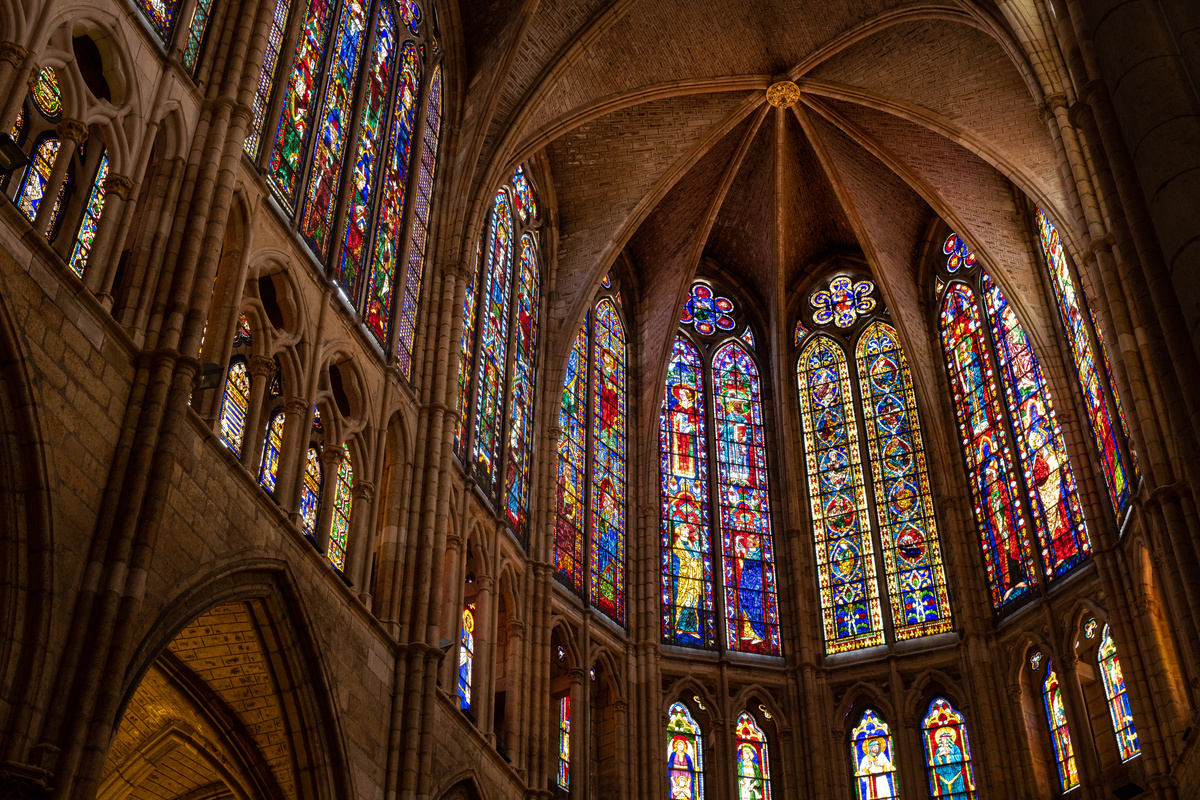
493,346
607,562
524,381
572,457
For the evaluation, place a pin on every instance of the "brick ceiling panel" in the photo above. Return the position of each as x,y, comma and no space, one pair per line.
743,236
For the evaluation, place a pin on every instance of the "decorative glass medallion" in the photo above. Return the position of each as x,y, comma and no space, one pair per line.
707,312
958,256
842,302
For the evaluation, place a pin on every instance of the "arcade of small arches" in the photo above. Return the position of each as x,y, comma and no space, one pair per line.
436,399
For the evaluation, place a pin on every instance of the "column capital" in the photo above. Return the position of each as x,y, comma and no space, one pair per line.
576,674
295,405
1053,103
554,433
261,366
333,457
363,490
72,129
13,53
119,185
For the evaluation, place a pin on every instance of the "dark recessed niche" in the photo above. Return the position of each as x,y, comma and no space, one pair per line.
91,66
336,386
270,301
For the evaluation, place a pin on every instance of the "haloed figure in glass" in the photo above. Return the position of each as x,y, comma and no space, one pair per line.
750,775
875,779
949,770
688,567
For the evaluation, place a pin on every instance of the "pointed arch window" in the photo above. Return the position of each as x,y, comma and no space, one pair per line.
498,354
271,449
466,656
91,219
266,79
592,463
1006,418
853,359
1060,733
1117,697
33,187
947,752
234,405
873,759
310,492
564,743
740,493
752,767
343,499
197,27
685,755
1118,461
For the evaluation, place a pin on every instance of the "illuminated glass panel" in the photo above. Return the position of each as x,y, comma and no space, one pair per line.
343,500
1002,532
299,101
233,406
1060,735
18,129
381,271
609,420
270,458
564,743
1074,311
325,163
493,345
842,302
751,611
33,183
687,589
873,759
1058,517
748,337
685,755
959,255
520,404
800,333
46,94
195,34
91,219
466,655
523,197
161,15
410,14
707,312
465,352
846,567
371,124
752,767
310,491
947,752
572,455
266,79
1118,698
242,337
420,225
912,556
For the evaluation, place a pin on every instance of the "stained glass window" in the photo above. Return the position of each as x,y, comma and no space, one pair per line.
381,272
299,100
242,337
685,755
91,219
846,567
904,504
420,225
270,458
801,332
947,752
233,406
195,35
161,15
266,78
523,197
466,655
343,499
842,302
572,456
18,129
325,163
33,184
1117,696
1074,311
564,743
748,337
310,492
465,352
608,503
1048,474
707,312
520,404
753,768
743,492
493,344
46,94
1060,735
873,759
985,443
687,591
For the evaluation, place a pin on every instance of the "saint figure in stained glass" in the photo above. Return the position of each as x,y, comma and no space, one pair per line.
1118,697
572,455
466,655
310,491
753,769
685,768
1060,734
871,751
947,752
607,561
271,448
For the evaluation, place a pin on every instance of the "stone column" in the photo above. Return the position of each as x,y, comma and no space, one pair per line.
1086,759
578,737
71,133
297,423
101,270
485,636
358,540
13,73
261,369
331,461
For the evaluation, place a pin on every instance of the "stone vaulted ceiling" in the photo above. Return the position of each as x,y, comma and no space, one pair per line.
660,143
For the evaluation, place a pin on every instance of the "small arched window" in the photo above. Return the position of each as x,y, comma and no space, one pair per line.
310,491
339,530
1001,399
466,656
1060,733
197,27
32,189
873,758
947,752
234,405
752,767
271,449
564,743
685,755
847,319
1118,697
91,219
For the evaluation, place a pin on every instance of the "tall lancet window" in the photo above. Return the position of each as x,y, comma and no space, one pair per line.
947,752
498,355
1118,461
1060,732
590,494
752,767
1118,697
730,476
853,359
873,759
685,755
1017,462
